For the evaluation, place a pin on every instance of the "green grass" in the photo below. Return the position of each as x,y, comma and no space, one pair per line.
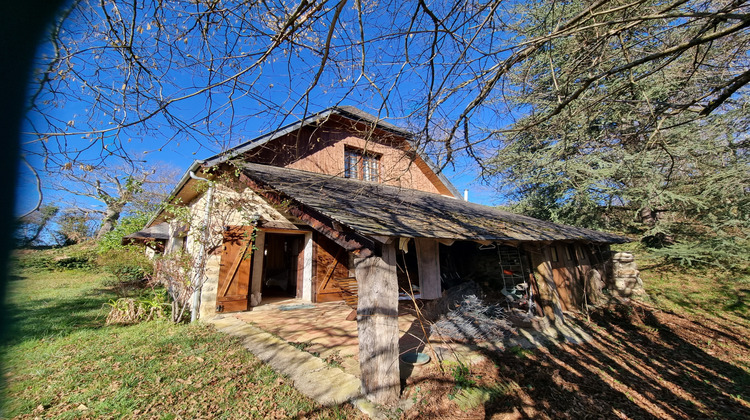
61,361
691,290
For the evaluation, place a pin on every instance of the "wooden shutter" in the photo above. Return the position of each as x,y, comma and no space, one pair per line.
233,292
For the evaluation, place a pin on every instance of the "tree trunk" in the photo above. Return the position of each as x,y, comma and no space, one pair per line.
111,216
377,322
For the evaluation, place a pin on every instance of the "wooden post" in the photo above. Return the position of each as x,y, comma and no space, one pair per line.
256,282
428,259
377,323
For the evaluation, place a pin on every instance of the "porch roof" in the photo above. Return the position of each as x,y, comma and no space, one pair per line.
374,209
158,232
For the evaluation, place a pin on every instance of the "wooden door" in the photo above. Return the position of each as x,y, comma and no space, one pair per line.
565,276
233,292
331,264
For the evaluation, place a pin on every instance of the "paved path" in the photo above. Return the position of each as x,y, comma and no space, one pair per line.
325,384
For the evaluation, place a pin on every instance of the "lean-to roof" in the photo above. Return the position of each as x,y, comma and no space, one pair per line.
380,210
156,232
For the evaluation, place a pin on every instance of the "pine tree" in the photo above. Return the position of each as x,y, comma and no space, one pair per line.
631,151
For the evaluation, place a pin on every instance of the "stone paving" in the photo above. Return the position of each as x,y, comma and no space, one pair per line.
323,329
318,348
311,375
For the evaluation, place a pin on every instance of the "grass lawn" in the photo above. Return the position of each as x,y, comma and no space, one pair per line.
683,354
61,361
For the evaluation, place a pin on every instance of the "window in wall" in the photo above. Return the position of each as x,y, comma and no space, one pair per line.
570,252
553,251
361,165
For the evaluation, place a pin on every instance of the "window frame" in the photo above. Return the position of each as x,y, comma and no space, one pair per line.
359,164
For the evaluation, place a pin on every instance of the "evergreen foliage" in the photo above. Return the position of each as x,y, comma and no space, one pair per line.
631,153
74,226
32,227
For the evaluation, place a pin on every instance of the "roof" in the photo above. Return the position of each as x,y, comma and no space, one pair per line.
380,210
156,232
346,111
349,112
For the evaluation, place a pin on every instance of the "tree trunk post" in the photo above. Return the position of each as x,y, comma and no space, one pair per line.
377,324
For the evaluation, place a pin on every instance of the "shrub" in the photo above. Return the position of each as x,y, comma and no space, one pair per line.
149,306
125,226
36,261
81,259
58,260
129,265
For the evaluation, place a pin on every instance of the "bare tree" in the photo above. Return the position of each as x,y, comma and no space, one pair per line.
116,189
203,72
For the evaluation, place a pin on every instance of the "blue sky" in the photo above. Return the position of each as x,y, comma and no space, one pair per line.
263,98
463,174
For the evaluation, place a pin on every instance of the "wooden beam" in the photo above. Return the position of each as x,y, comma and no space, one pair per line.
382,239
350,241
377,324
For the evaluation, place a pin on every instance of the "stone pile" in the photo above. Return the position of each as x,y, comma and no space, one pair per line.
624,279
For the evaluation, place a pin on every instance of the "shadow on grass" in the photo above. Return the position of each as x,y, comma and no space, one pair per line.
42,318
641,368
641,363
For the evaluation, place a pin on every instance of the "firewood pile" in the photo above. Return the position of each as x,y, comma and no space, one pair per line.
462,315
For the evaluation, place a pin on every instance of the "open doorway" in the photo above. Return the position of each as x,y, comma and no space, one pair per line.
283,262
407,271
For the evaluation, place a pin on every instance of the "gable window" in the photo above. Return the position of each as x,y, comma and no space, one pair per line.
361,165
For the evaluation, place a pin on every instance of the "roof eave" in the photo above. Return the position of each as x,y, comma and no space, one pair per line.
176,190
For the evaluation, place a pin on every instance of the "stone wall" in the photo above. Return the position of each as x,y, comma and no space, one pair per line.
228,208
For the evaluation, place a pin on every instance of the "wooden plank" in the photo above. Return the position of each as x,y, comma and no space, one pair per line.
548,297
349,291
564,278
428,260
377,324
299,244
233,271
327,277
532,279
256,282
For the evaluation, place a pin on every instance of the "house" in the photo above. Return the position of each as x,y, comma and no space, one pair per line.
342,195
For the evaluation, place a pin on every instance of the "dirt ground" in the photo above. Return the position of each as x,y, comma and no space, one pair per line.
642,363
